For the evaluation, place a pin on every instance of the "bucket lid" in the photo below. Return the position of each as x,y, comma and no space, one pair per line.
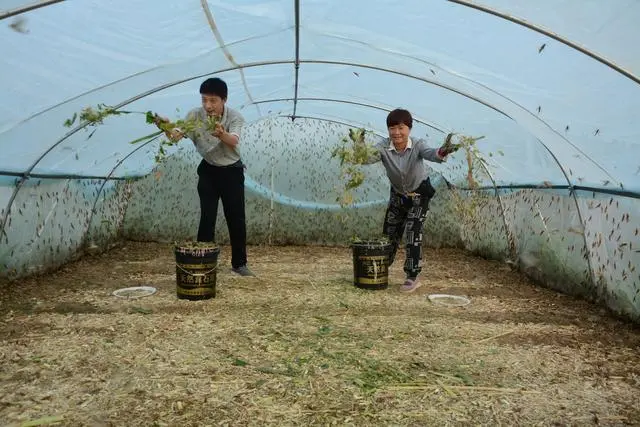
450,300
135,292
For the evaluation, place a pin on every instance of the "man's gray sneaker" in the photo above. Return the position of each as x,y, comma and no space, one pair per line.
243,271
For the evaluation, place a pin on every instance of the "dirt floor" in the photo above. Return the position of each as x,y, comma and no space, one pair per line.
300,345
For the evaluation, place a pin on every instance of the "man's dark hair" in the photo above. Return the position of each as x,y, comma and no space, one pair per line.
214,86
399,116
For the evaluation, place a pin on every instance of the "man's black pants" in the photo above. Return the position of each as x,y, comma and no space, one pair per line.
225,183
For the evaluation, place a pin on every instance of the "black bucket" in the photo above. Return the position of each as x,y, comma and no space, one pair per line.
371,264
196,269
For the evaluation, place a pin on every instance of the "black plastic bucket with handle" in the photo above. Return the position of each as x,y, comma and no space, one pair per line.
196,268
371,264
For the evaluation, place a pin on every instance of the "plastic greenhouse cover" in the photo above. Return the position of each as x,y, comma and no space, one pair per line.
612,31
455,67
111,141
80,46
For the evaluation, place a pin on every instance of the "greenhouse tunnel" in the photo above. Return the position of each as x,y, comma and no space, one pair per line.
553,88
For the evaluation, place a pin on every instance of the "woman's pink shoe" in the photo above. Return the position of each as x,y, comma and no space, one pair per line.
410,285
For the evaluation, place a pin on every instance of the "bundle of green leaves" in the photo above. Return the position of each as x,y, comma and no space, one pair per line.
95,116
353,152
477,167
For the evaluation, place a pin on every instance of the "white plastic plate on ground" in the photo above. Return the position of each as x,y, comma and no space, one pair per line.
450,300
135,292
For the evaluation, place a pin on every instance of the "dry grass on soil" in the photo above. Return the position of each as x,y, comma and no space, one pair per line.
300,345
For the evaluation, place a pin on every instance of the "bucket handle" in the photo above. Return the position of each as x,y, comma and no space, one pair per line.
197,274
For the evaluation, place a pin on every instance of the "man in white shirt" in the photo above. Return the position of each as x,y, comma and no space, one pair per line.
221,171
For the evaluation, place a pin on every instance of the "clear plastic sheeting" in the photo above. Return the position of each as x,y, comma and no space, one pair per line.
556,83
580,127
543,223
292,189
97,153
20,157
94,43
107,215
472,220
606,31
612,235
46,224
553,87
51,220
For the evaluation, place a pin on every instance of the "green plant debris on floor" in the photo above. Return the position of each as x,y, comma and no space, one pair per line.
300,345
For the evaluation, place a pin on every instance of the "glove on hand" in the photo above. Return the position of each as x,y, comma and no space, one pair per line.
449,145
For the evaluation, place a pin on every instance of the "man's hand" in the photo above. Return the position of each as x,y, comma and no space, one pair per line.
218,131
160,119
175,134
229,139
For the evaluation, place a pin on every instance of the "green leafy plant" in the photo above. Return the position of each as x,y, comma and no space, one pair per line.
472,155
95,116
353,152
476,166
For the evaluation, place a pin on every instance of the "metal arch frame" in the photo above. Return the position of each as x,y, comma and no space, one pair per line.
362,104
550,34
139,96
264,63
33,6
296,7
366,66
109,177
466,95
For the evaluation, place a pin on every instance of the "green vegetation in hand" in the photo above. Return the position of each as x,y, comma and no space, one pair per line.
353,152
94,116
468,144
476,165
